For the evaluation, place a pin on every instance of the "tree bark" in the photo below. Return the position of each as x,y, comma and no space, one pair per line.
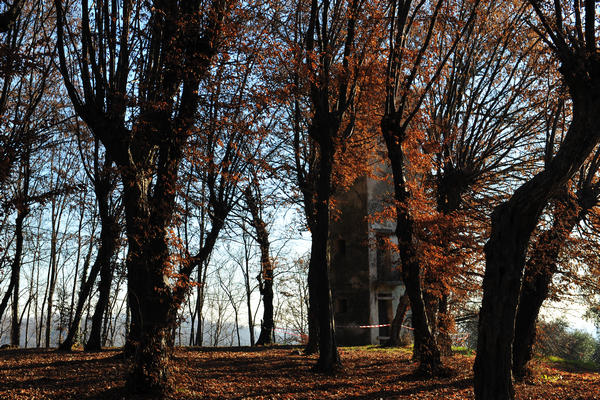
13,285
512,225
84,293
108,248
329,360
152,305
533,293
182,40
401,310
323,130
312,345
267,325
7,295
444,324
51,283
540,269
202,271
332,96
426,346
109,244
265,277
103,181
15,332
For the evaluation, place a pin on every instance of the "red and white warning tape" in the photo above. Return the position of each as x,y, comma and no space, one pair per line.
459,337
371,326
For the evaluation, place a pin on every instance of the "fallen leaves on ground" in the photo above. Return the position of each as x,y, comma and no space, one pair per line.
269,373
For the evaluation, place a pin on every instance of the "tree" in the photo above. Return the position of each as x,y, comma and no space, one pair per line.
25,80
24,71
487,107
331,124
265,276
10,14
22,206
514,220
102,176
571,206
234,128
145,138
399,316
324,75
405,94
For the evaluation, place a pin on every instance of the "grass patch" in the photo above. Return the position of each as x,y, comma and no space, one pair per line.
404,349
375,347
465,351
573,364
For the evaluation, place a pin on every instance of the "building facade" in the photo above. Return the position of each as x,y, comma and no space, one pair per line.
365,267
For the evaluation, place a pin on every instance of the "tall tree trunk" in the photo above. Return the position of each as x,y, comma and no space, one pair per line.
13,286
109,244
265,277
155,316
267,324
445,322
512,225
332,97
87,283
109,238
148,149
152,302
199,306
22,212
51,283
246,273
427,349
403,304
539,271
7,296
329,359
249,309
72,308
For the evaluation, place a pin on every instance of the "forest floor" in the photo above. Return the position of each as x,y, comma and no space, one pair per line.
271,373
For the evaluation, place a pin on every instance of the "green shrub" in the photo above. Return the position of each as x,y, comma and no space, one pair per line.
556,339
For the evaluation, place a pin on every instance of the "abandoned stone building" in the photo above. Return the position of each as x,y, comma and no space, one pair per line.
365,274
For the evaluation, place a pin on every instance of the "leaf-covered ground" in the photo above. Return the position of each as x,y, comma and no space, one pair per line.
276,373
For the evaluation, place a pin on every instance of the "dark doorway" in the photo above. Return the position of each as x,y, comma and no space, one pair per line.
386,314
